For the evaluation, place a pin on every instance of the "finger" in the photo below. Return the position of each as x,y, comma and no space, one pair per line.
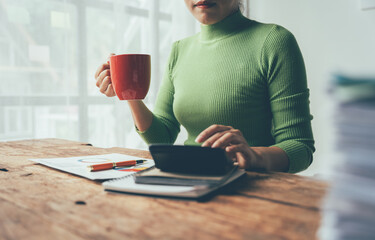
243,161
243,154
104,85
232,156
101,77
110,55
211,140
100,69
211,130
232,136
110,91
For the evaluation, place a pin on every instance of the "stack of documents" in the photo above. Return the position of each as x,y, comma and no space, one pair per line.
349,207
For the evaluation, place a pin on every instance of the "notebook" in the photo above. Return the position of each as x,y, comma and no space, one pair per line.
129,185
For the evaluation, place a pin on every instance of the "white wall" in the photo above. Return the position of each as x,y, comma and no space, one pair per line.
334,36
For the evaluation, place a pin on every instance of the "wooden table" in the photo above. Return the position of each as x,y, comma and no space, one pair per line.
37,202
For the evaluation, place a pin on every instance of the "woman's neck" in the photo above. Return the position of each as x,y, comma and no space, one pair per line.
221,29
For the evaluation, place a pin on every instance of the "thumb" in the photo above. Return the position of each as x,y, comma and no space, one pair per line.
110,55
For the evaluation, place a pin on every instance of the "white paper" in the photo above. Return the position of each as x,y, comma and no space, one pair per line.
79,165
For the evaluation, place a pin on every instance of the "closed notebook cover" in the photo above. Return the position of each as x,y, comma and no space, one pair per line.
157,176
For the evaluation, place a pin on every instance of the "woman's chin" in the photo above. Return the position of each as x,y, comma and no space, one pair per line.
207,19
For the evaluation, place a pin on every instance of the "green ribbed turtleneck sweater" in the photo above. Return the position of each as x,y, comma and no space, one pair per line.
240,73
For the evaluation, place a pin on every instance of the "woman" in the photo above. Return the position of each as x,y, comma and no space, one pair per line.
239,85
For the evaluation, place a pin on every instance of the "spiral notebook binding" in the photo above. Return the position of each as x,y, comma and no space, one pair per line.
130,175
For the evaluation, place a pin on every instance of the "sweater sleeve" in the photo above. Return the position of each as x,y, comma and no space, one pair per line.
164,127
284,69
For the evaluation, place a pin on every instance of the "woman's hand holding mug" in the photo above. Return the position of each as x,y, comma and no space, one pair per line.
126,75
103,79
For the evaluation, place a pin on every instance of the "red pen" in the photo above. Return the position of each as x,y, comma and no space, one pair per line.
110,165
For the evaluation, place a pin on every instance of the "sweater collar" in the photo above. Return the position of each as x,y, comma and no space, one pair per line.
221,29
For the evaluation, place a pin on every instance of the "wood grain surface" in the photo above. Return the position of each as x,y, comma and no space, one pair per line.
37,202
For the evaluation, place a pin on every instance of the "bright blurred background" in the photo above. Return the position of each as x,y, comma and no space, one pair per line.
50,49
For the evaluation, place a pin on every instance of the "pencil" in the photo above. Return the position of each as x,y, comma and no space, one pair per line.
110,165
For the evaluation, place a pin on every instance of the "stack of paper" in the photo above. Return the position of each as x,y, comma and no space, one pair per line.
349,207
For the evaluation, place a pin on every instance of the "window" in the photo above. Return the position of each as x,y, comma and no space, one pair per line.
49,52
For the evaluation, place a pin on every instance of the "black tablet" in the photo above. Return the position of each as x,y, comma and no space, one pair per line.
190,159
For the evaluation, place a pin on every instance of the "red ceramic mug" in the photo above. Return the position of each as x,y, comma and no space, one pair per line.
130,75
